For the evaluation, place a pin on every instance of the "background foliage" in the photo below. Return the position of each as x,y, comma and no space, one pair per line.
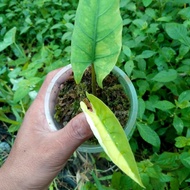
35,39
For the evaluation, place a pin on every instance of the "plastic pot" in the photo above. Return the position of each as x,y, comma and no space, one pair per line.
53,91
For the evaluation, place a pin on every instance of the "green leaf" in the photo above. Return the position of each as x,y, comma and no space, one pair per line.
18,62
151,119
167,159
146,3
184,96
182,105
139,74
181,2
13,128
129,66
9,39
178,124
142,64
89,186
152,29
127,51
164,105
20,93
141,24
185,13
188,180
120,181
116,177
148,134
183,172
111,137
183,50
24,87
96,38
143,87
182,142
167,53
185,159
98,184
141,108
174,184
146,54
183,100
151,12
4,118
178,32
165,19
124,3
165,76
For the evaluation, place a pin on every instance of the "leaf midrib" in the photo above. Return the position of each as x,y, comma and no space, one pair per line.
95,31
94,38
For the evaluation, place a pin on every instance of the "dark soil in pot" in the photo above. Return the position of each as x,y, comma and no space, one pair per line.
70,96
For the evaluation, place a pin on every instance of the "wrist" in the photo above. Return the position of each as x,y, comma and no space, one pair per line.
6,180
10,180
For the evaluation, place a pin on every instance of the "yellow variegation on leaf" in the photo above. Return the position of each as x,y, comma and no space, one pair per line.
111,136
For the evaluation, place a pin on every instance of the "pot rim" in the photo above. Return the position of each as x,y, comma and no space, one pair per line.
59,79
53,126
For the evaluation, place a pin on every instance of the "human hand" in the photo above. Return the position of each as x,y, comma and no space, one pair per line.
38,153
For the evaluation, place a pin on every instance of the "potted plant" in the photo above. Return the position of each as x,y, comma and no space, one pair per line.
96,44
53,92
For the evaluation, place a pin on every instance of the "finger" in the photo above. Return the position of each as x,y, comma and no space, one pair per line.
74,134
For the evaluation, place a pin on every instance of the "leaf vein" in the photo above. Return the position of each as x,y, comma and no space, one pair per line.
95,29
99,40
106,9
84,32
104,56
90,61
83,50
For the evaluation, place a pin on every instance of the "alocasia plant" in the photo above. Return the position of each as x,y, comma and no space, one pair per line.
96,42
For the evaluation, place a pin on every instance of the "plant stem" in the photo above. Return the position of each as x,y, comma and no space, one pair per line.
93,82
22,106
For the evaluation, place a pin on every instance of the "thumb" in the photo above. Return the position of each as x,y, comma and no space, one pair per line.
74,134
